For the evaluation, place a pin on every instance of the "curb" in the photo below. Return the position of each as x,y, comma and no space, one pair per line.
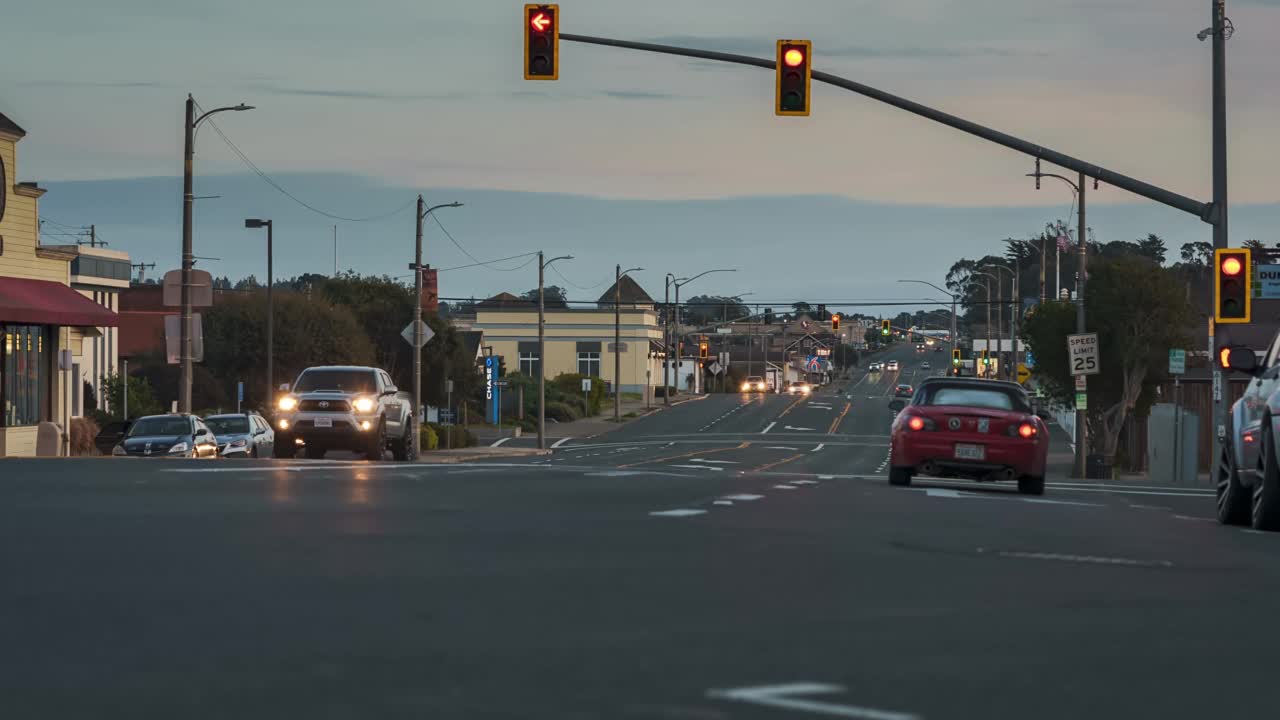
467,457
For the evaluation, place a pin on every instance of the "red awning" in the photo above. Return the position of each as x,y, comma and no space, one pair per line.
41,302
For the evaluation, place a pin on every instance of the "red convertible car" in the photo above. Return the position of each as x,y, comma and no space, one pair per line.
969,428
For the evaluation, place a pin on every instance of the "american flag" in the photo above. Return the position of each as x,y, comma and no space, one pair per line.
1064,242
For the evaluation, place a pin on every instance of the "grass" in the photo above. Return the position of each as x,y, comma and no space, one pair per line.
634,396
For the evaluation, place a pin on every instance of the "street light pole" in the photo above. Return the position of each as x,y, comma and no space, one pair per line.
955,340
1000,321
666,341
542,347
680,283
617,340
986,370
271,310
417,267
190,123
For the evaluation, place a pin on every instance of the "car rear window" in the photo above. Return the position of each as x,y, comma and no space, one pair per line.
974,397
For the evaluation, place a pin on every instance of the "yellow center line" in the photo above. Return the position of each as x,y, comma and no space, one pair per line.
832,430
762,468
792,406
685,455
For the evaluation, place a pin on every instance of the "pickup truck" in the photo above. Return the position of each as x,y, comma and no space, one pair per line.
344,408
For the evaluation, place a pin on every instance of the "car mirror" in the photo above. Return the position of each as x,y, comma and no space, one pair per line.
201,432
897,405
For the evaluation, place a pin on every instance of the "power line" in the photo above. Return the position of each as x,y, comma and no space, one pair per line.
267,179
556,270
455,242
47,219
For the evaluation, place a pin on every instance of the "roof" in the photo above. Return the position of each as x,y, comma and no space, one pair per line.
471,342
44,302
10,127
629,293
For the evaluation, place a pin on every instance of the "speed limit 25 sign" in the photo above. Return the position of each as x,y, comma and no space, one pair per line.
1082,352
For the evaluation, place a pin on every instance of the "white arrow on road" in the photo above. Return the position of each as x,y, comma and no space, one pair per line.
783,696
716,462
699,467
788,427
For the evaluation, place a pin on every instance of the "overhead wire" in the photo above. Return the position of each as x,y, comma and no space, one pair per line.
556,270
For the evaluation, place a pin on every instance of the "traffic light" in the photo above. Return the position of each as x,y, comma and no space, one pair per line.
835,322
703,349
986,359
541,42
955,358
822,312
1233,285
793,71
884,328
768,316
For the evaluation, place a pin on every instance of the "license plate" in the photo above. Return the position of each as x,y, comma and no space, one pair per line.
971,452
328,423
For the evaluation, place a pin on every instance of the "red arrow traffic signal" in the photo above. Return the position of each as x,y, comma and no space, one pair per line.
541,42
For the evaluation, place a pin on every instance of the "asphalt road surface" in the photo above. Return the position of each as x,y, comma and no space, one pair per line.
734,557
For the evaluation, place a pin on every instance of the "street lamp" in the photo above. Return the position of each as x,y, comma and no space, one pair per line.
190,123
253,223
418,342
1000,309
542,348
954,298
617,340
679,283
986,370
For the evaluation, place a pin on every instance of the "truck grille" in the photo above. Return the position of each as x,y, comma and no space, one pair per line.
336,406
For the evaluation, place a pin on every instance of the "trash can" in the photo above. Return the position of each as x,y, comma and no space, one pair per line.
1096,467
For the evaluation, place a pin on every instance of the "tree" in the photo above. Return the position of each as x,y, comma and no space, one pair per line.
1197,254
383,308
552,296
1260,254
710,309
1152,247
1139,312
801,307
142,398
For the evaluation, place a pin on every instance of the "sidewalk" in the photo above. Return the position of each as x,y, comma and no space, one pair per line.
436,457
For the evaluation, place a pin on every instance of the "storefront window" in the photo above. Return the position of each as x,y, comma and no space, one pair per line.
589,364
24,374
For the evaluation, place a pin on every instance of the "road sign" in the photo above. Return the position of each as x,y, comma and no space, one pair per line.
1082,383
1266,284
724,359
1029,360
1082,401
240,391
1177,362
715,368
201,288
501,383
446,416
1024,374
586,385
427,333
1083,353
724,331
173,338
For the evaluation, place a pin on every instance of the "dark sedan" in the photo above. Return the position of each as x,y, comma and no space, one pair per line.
174,436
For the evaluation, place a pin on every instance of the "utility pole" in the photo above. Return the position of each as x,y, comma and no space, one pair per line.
542,357
986,369
271,319
1219,29
999,326
666,341
1082,246
335,251
617,344
419,215
184,338
1014,318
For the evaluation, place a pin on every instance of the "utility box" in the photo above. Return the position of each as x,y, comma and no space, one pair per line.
48,440
1173,445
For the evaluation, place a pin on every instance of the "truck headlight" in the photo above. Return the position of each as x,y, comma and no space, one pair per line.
287,403
364,404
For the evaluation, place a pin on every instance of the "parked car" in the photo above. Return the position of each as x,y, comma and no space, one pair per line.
344,408
110,435
755,383
242,435
174,435
969,428
1248,474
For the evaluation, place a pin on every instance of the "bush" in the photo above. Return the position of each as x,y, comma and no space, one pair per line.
451,436
562,412
427,438
659,392
83,431
570,385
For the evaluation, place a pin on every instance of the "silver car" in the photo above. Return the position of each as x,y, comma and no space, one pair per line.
242,435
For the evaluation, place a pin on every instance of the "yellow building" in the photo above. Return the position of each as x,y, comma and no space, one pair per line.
43,321
578,341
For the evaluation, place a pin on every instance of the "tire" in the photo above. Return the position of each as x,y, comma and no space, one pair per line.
900,476
402,447
253,454
314,452
377,444
1265,513
1234,502
283,448
1031,485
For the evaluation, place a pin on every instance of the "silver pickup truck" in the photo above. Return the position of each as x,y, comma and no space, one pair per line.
344,408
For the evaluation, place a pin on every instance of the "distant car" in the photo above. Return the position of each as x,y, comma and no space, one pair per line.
242,435
174,436
925,365
755,383
110,435
937,348
875,367
903,390
971,428
799,387
920,347
892,365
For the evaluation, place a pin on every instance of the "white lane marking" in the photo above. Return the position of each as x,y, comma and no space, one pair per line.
699,467
820,446
768,427
782,696
1045,501
630,473
939,492
743,497
800,429
819,407
804,482
715,462
1109,486
682,512
1251,531
499,441
786,487
1131,492
826,477
780,447
722,502
1149,507
558,443
1093,559
1189,517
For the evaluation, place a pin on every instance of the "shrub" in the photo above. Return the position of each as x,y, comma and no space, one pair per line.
428,439
562,412
83,431
664,391
571,385
451,436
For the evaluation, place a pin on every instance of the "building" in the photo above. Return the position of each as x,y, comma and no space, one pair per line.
101,275
578,340
44,323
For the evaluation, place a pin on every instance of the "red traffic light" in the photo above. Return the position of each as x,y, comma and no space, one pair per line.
793,57
1231,266
541,42
540,22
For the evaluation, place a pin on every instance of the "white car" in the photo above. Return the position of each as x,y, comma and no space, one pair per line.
925,365
875,367
892,366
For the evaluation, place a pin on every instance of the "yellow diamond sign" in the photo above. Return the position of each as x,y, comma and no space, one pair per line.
1024,374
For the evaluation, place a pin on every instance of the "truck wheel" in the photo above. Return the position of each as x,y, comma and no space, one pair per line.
1266,487
377,443
402,447
283,448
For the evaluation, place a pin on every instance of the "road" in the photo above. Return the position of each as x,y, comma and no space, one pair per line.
734,557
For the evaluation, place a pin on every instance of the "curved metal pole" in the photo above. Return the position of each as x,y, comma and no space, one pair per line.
418,415
542,348
617,339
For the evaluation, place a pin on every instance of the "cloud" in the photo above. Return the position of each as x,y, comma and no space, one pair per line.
757,47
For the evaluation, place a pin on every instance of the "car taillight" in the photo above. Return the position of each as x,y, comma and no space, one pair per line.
1023,430
915,422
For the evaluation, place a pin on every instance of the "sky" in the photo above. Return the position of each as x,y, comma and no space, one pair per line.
633,157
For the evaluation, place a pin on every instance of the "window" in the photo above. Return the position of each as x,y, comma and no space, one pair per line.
589,364
160,425
24,374
974,397
345,380
229,425
529,365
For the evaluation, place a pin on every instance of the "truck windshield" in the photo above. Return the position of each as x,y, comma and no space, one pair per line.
342,380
